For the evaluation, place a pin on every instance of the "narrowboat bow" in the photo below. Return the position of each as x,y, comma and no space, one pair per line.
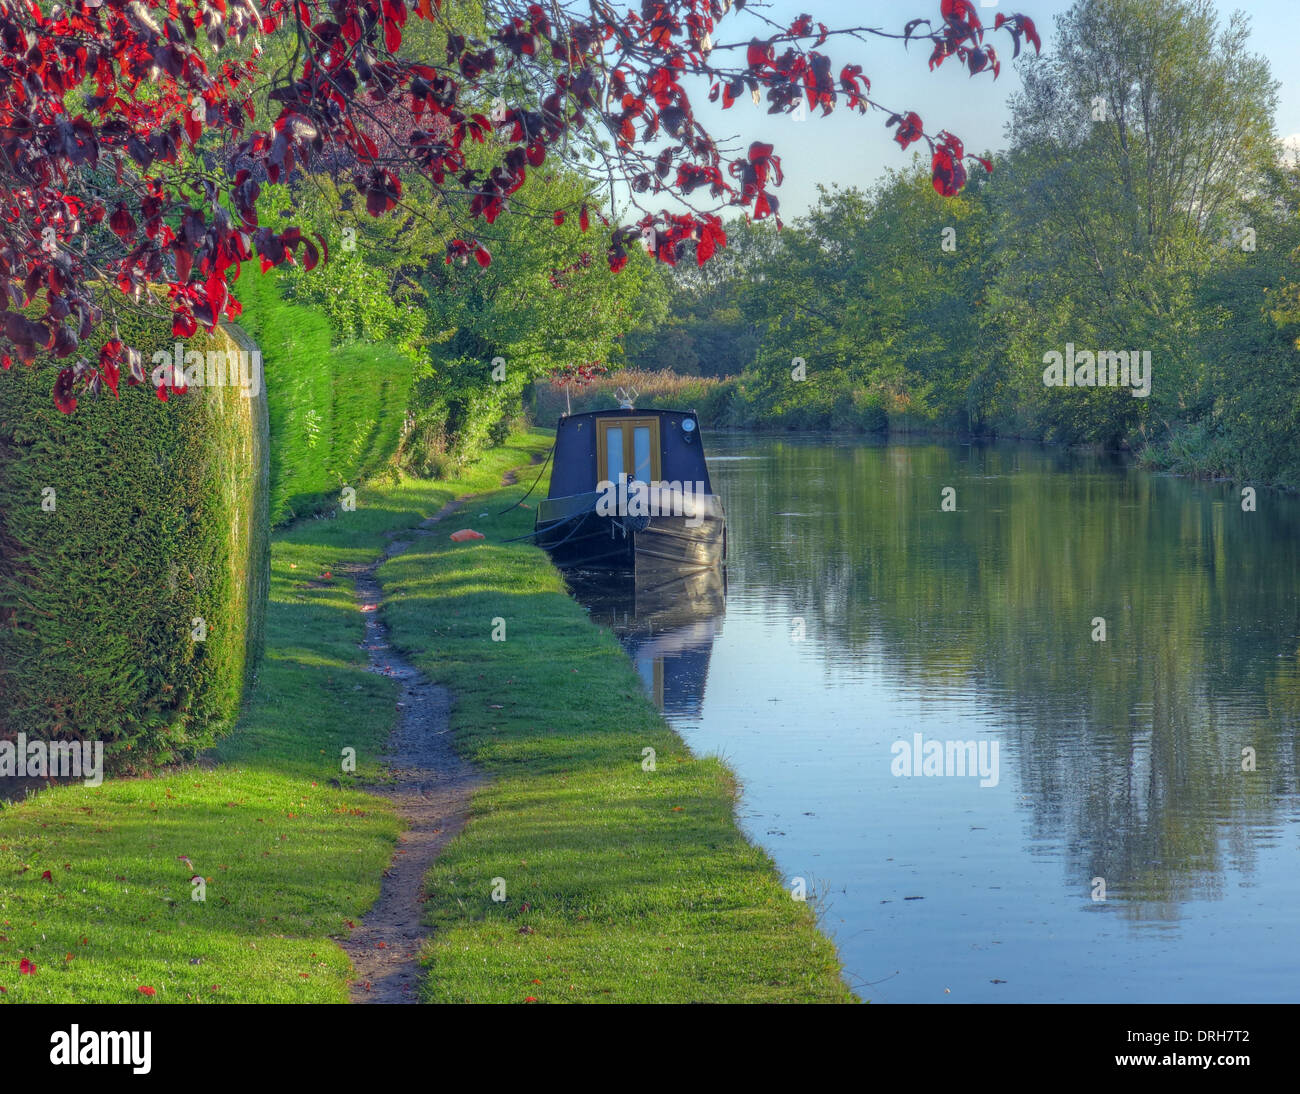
630,490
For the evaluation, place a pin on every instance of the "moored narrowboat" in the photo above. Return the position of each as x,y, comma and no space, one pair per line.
630,490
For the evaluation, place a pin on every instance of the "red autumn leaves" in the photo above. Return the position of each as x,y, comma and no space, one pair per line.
962,36
123,174
27,967
459,249
754,173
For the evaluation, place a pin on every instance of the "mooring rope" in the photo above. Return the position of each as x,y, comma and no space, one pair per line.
531,488
550,528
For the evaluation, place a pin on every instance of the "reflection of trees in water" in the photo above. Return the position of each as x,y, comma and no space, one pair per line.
1128,749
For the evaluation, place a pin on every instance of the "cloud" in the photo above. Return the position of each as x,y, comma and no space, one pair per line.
1291,148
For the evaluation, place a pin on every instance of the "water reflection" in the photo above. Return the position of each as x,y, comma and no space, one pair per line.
667,626
859,612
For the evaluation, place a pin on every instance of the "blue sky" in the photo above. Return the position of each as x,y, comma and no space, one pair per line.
852,149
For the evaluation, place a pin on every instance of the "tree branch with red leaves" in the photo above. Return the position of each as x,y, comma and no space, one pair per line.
110,111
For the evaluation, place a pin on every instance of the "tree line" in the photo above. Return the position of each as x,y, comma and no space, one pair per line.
1143,204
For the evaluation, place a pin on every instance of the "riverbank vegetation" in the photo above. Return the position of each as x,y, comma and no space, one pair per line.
98,890
1144,204
622,884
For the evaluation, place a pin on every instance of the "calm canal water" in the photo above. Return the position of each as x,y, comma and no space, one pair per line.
859,614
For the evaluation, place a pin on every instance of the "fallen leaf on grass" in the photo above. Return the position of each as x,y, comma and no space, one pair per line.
47,876
26,967
144,989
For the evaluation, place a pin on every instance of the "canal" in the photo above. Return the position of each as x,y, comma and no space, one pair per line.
1022,722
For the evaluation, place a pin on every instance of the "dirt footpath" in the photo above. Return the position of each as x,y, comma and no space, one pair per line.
431,789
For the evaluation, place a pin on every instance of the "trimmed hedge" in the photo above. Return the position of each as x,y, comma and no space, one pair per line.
336,412
158,517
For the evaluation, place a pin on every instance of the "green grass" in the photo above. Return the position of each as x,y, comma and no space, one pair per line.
289,859
639,885
635,886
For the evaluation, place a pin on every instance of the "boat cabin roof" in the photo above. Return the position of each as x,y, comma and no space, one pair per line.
582,440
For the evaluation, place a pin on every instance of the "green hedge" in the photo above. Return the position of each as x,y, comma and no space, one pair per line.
336,413
159,517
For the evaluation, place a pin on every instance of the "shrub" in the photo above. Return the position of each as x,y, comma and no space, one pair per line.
336,412
157,517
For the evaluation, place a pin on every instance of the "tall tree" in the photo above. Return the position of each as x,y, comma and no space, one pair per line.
1132,144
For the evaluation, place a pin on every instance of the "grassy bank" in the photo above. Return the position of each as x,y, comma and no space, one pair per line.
633,885
621,884
288,859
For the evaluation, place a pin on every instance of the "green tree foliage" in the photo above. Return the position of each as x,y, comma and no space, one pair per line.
706,333
461,340
533,311
1132,145
1142,206
876,295
1249,310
